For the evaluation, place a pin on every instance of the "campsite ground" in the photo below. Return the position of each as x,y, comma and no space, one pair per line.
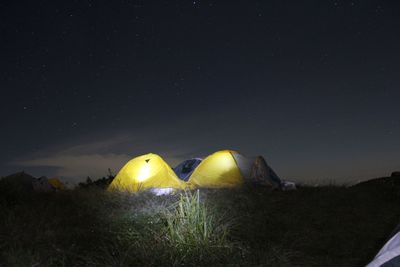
313,226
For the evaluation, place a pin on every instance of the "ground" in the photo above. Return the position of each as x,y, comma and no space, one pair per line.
251,226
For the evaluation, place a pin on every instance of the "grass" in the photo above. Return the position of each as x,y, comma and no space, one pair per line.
250,226
195,230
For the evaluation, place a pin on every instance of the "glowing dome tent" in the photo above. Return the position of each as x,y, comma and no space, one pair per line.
228,168
148,171
186,168
217,170
56,184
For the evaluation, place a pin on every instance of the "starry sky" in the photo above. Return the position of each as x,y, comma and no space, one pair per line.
313,86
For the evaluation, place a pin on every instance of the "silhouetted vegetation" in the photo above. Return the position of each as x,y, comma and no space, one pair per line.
101,183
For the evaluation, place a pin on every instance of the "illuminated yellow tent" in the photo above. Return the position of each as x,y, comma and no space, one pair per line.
148,171
217,170
228,168
56,184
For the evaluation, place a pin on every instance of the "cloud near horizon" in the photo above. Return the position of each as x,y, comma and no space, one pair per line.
76,162
76,167
92,155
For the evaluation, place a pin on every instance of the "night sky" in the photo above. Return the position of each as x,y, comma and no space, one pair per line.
313,86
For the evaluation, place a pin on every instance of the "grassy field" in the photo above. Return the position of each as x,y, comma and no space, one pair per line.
251,226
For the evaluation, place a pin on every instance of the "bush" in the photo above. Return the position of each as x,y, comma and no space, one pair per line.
194,227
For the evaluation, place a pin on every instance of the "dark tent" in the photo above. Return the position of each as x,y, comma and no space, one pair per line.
186,168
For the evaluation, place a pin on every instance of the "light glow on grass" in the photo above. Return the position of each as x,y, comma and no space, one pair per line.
194,226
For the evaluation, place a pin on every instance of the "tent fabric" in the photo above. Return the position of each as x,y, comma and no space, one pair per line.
56,184
288,186
186,168
228,168
162,191
26,182
261,173
216,171
389,255
20,181
42,185
222,169
146,172
245,164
